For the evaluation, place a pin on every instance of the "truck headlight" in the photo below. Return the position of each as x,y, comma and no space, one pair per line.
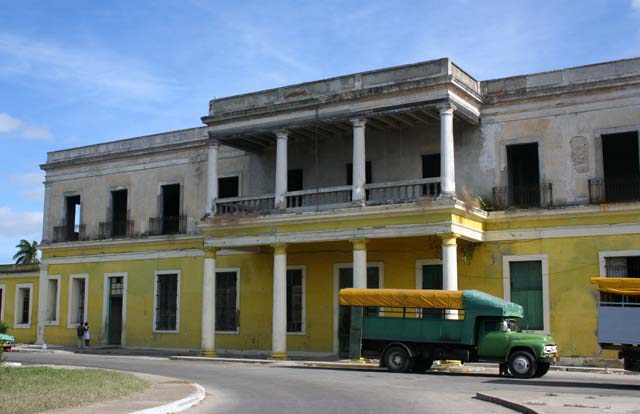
550,349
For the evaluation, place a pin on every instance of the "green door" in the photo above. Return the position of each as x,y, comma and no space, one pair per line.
526,290
114,321
432,279
344,312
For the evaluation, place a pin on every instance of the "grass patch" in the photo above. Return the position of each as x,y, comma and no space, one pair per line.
34,389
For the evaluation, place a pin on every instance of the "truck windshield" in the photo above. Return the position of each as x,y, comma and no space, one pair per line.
509,325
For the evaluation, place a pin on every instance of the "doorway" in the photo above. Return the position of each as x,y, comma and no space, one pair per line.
524,175
115,307
621,167
345,280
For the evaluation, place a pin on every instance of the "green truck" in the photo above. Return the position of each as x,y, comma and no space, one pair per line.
408,329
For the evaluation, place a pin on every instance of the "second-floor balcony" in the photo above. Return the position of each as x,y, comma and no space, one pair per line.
328,198
68,233
115,229
614,190
167,225
523,196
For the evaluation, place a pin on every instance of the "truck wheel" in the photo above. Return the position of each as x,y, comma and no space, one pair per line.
422,364
542,369
397,359
522,364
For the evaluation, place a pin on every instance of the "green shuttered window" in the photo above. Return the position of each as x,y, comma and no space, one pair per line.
526,290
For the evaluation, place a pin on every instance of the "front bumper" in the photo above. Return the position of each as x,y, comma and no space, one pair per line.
547,359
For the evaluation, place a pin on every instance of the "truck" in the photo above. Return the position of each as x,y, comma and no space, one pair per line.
618,313
409,329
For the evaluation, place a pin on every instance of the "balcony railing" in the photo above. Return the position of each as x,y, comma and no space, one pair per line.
523,196
334,197
67,233
167,225
112,229
614,190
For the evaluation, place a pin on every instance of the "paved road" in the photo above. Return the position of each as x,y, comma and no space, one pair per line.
246,388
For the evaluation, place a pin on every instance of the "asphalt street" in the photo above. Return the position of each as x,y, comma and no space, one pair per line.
279,389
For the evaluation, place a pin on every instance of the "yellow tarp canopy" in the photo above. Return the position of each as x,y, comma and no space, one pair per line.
618,285
402,298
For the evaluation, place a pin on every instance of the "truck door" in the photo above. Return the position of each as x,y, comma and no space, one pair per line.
492,340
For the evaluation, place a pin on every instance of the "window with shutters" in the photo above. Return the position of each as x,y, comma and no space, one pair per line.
22,311
296,300
526,283
167,302
227,301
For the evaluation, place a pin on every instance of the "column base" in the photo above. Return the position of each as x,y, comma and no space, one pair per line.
279,355
358,203
447,196
211,353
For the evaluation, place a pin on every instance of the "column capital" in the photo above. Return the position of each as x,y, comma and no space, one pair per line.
359,122
446,109
359,244
279,248
281,134
211,252
214,143
449,239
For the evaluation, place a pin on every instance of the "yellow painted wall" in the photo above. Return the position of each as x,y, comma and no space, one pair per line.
23,335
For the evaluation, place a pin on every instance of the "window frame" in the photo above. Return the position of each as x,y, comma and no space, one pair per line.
105,306
155,301
17,305
58,278
603,255
237,272
3,291
72,324
506,284
303,330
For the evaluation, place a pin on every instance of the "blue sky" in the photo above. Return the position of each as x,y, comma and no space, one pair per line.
79,72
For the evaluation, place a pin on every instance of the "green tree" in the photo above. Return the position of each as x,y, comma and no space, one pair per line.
27,252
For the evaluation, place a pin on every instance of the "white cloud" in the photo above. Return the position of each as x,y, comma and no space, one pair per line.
18,224
22,129
98,72
29,178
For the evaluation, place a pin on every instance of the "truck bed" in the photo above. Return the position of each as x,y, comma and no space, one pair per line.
414,330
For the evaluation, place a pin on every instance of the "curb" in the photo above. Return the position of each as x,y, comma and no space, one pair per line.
505,403
179,405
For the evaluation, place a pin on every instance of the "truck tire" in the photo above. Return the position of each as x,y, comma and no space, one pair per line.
397,359
522,364
543,368
422,364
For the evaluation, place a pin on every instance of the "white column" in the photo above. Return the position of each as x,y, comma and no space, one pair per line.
447,165
212,177
46,218
359,263
42,303
279,347
281,170
358,194
450,267
209,305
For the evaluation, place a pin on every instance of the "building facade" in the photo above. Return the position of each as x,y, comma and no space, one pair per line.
236,236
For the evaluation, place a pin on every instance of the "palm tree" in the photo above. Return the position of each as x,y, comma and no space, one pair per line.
27,252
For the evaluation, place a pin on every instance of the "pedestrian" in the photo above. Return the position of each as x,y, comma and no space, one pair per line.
80,334
86,336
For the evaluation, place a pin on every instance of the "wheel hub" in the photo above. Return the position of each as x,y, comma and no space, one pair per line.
521,365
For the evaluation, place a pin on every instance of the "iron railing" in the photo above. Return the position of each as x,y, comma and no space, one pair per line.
67,233
244,205
117,228
614,190
167,225
523,196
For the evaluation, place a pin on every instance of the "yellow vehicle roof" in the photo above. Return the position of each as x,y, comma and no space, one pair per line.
618,285
401,298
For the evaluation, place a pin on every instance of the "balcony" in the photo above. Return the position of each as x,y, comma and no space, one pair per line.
167,225
115,229
614,190
68,233
523,196
397,192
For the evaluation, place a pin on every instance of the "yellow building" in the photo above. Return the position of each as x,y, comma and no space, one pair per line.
237,236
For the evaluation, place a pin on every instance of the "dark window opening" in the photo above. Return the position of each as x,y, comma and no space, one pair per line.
72,218
226,302
294,180
24,314
294,300
431,166
621,167
625,266
1,304
524,175
228,187
166,302
119,213
368,173
171,209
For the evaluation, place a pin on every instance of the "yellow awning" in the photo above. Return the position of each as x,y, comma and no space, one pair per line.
618,285
402,298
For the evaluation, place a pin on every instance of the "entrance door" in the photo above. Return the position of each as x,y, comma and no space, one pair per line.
432,279
344,312
114,318
524,175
